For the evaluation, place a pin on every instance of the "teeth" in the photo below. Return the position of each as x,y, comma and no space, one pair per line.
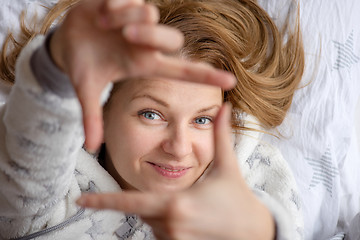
171,170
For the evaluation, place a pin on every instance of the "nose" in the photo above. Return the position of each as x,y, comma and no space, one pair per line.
178,142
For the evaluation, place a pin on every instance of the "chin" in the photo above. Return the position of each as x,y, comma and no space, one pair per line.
165,188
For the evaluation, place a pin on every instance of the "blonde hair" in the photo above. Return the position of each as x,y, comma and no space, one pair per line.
235,35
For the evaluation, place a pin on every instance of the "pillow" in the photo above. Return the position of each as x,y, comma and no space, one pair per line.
10,12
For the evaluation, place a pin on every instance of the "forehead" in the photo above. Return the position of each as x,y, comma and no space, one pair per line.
170,91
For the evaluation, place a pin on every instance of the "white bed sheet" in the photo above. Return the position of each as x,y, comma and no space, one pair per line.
320,143
320,134
357,123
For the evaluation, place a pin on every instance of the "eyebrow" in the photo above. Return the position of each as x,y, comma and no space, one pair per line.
151,98
167,105
208,108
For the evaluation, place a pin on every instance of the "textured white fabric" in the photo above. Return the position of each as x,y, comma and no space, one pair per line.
43,169
10,11
320,143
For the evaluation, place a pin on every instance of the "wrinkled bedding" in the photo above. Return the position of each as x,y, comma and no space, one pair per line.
319,133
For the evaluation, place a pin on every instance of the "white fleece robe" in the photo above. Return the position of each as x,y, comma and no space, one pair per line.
43,170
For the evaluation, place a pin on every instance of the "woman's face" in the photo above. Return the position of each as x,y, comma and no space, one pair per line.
159,133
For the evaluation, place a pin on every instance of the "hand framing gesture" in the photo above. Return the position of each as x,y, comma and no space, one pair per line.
101,41
219,207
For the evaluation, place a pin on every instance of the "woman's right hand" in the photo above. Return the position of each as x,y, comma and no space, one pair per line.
221,206
101,41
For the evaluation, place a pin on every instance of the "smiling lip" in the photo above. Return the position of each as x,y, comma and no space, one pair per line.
170,171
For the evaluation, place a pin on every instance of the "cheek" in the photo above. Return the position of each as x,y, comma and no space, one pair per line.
129,143
205,149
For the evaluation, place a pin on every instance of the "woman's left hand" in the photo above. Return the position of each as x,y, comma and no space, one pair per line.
103,41
220,207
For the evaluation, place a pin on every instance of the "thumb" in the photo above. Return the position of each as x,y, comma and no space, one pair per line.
89,97
224,158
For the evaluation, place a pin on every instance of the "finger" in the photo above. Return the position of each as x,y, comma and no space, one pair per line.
170,67
224,158
160,227
116,5
108,8
89,97
159,233
142,204
160,37
130,15
93,129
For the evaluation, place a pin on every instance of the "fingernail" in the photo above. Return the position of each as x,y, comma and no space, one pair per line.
231,80
229,105
91,151
228,108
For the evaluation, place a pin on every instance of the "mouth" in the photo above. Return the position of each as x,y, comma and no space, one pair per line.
170,171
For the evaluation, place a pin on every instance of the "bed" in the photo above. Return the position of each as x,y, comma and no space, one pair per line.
321,131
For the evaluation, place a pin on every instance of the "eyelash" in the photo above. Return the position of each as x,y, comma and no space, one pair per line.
145,111
206,118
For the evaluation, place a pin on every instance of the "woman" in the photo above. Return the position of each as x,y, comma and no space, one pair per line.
102,41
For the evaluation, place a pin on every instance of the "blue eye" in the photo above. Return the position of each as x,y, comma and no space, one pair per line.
203,120
150,115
